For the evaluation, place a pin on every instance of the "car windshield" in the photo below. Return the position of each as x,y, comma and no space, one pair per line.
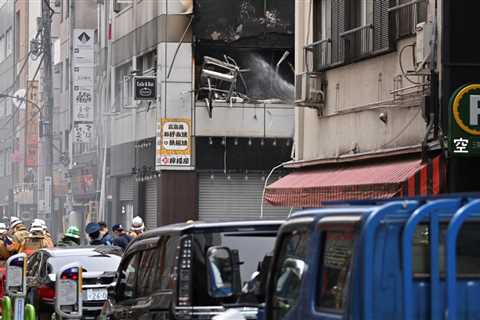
93,262
253,246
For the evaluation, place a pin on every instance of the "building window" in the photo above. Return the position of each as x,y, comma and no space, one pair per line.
405,15
9,42
119,5
348,30
123,86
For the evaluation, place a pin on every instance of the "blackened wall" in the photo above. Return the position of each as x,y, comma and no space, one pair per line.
461,66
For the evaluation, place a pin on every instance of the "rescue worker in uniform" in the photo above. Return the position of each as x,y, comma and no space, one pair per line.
93,231
48,236
4,254
71,238
137,228
36,240
16,235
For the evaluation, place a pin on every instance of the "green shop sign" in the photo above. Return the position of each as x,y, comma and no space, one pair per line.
464,121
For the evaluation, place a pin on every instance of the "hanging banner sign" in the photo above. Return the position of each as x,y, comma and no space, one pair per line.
83,104
174,145
464,122
82,133
83,46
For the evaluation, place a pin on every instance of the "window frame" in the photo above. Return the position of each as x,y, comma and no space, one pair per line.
346,225
297,226
120,294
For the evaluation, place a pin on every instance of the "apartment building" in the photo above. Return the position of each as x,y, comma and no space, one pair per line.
366,122
222,115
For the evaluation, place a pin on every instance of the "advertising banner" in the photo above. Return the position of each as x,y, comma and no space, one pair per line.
174,144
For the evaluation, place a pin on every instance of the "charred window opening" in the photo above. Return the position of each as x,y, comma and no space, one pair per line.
244,51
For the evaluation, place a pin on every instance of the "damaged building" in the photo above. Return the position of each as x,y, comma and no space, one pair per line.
224,71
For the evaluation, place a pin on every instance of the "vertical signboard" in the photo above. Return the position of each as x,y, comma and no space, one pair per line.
174,144
32,125
464,125
83,80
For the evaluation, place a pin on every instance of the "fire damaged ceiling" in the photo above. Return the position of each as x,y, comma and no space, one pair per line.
234,20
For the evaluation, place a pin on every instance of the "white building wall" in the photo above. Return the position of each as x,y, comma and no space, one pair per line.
356,95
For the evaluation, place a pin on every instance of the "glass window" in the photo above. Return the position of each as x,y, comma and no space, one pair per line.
288,275
128,277
468,251
336,260
146,272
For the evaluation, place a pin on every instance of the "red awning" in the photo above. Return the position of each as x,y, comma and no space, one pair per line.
357,182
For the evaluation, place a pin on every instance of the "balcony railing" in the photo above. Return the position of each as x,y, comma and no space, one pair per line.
320,55
405,17
358,42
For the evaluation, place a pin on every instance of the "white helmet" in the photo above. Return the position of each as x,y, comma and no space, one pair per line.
41,222
3,228
36,227
137,224
14,221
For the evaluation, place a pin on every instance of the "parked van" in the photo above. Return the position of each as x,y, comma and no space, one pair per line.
194,271
398,260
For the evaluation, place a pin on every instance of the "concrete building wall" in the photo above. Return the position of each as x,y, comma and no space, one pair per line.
356,94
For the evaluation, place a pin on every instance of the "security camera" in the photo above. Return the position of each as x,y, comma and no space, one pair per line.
383,117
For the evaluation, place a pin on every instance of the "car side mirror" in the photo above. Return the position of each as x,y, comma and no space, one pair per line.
220,272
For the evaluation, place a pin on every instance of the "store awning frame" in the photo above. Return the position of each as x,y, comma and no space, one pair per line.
388,179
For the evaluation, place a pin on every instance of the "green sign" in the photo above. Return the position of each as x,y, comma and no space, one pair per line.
464,121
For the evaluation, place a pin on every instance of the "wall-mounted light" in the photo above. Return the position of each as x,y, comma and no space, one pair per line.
235,142
246,175
212,176
229,177
224,141
210,141
262,142
274,143
383,117
249,142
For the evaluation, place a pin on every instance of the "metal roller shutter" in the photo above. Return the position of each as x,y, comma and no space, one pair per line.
237,198
151,204
127,188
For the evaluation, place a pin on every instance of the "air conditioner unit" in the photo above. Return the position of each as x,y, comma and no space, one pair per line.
310,90
423,47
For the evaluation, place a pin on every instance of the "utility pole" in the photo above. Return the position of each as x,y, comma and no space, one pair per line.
45,174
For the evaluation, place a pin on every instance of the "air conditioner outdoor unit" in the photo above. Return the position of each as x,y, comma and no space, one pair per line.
310,91
423,47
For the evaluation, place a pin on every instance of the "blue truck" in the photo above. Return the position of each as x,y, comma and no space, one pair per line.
395,260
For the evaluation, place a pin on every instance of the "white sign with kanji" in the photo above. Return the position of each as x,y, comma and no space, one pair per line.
83,104
174,146
82,133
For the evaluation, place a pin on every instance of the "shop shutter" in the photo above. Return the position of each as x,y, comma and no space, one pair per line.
151,204
127,188
237,198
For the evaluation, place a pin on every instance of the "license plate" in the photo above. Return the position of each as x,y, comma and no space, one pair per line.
95,294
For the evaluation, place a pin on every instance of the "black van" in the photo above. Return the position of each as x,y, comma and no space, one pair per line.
193,271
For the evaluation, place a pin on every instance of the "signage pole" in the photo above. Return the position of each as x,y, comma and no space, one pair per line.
46,124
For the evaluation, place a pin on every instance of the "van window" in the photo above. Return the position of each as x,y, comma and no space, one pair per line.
128,274
289,271
468,250
335,267
156,266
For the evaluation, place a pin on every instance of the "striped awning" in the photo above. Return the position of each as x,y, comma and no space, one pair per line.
383,180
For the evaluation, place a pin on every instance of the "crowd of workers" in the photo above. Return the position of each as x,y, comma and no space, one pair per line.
17,238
